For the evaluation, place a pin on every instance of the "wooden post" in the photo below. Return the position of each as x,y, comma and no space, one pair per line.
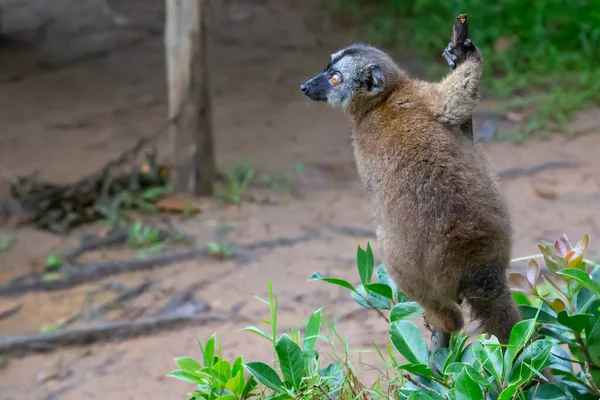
191,148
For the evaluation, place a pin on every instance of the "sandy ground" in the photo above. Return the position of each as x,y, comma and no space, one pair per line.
65,116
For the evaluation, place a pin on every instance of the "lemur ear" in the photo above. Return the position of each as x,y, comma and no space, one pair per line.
374,79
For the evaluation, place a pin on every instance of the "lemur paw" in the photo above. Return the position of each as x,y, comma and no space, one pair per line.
449,55
455,54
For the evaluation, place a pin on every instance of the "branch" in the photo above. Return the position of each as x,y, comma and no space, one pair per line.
93,272
126,295
421,386
20,345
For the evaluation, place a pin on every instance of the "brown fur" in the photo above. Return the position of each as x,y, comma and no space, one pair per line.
441,216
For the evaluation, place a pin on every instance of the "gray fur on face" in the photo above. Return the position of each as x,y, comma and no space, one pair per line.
360,68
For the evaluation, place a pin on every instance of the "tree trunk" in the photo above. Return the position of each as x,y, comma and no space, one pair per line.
191,148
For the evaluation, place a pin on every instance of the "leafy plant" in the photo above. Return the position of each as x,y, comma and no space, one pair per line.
569,299
7,241
216,378
219,250
237,181
242,175
555,319
54,261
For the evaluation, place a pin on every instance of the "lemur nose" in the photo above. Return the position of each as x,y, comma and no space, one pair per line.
303,87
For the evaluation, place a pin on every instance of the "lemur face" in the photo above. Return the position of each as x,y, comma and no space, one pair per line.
351,71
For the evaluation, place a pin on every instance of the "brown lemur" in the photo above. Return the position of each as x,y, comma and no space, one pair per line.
441,216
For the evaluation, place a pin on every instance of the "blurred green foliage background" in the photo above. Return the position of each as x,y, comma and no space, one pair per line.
541,55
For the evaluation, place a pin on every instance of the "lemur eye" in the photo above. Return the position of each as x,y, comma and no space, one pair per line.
335,79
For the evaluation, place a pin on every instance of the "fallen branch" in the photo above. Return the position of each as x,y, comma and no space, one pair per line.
116,237
10,311
102,308
354,231
60,207
512,173
35,343
93,272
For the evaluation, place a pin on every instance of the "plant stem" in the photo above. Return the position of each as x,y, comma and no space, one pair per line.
584,349
324,392
420,385
588,375
381,314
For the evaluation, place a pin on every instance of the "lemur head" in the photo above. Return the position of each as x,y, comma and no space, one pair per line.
357,73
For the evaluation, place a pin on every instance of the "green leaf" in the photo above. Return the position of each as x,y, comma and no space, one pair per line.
365,263
235,384
441,358
581,277
418,369
332,371
577,322
466,388
335,281
424,395
265,375
530,362
509,392
520,335
406,338
312,330
546,391
249,387
223,371
54,260
560,364
227,397
185,376
259,332
376,301
290,360
409,387
209,351
528,312
384,277
380,289
188,364
238,367
593,333
489,354
154,193
406,311
6,242
458,367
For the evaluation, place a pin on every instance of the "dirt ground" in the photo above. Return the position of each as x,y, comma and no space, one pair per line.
66,115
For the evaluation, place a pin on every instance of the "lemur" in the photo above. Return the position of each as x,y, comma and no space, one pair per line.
441,217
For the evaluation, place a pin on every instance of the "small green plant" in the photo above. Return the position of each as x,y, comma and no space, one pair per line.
554,317
7,241
237,181
219,250
54,261
242,175
216,378
140,235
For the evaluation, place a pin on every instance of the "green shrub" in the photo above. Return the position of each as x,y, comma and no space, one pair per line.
547,47
560,333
